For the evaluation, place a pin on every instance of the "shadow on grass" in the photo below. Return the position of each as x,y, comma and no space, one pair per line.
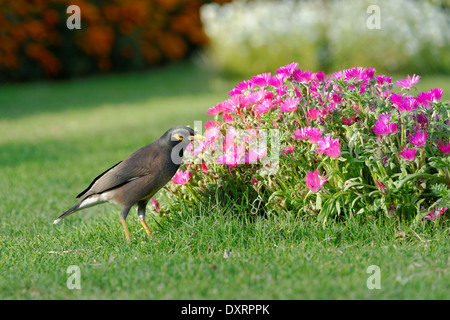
18,100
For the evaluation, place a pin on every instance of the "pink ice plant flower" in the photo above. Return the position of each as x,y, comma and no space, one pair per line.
407,83
264,107
435,213
155,203
408,153
408,104
226,117
241,87
314,180
254,155
383,79
436,94
261,80
312,134
233,156
200,146
182,177
418,139
204,167
313,114
382,127
444,146
289,105
277,80
287,70
302,76
319,76
211,124
218,108
329,146
287,150
383,189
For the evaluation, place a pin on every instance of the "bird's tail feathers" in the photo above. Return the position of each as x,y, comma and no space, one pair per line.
85,203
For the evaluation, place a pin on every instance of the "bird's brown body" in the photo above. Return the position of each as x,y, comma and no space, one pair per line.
137,178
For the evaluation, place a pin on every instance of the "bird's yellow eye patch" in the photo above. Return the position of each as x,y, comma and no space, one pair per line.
177,137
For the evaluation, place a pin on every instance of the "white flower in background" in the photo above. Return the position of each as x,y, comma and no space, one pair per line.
258,36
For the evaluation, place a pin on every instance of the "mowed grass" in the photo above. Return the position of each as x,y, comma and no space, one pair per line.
56,137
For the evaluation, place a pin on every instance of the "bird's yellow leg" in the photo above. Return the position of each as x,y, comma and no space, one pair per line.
144,224
125,227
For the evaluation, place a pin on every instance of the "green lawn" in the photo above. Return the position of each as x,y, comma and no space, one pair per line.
55,137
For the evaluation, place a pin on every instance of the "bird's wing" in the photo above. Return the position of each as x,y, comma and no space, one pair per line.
135,166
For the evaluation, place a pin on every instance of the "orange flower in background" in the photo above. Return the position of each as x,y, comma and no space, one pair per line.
172,45
51,17
111,12
35,41
98,40
46,58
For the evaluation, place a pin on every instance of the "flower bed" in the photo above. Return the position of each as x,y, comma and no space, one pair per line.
115,35
325,145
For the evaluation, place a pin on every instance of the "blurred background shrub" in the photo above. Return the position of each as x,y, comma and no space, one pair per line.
115,35
250,37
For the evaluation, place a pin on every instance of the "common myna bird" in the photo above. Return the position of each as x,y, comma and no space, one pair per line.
137,178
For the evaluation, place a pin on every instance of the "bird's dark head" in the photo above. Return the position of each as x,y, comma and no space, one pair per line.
176,135
177,139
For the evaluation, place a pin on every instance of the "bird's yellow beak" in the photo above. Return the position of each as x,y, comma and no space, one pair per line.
196,137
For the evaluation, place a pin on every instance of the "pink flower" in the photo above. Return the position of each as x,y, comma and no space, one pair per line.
230,138
348,121
277,80
204,168
155,204
407,83
287,70
231,105
218,108
226,117
421,119
200,146
419,138
287,150
255,154
211,124
423,99
313,134
408,104
383,189
356,74
242,87
408,153
444,147
382,127
314,180
254,97
264,106
233,156
436,94
435,213
370,73
313,114
182,177
281,91
396,99
302,76
261,80
319,76
329,146
383,79
289,105
211,134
